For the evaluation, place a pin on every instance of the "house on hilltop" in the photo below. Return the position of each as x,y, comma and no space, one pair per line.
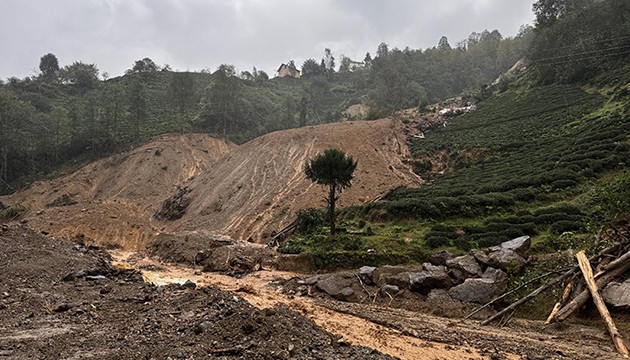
288,70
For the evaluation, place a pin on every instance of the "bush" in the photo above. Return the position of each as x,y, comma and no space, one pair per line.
310,220
435,242
563,226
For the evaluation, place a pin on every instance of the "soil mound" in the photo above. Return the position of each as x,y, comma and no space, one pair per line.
112,200
259,188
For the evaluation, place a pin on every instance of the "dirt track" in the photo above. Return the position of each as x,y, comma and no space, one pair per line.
402,333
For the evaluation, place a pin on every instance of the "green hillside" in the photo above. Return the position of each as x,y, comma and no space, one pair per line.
545,154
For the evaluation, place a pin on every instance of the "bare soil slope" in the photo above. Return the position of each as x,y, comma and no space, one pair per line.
260,187
247,191
112,200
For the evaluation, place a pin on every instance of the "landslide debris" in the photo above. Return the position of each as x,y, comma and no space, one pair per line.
60,301
112,200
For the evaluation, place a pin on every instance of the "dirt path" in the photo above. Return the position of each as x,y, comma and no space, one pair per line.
257,288
397,332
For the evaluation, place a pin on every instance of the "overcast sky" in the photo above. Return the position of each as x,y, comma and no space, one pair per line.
202,34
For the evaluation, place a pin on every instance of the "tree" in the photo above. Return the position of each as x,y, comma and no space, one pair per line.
145,65
81,76
311,68
332,168
548,11
49,66
443,44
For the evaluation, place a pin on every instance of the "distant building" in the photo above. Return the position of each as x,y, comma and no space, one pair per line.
288,70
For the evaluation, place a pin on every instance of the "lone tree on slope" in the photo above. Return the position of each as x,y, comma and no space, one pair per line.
334,169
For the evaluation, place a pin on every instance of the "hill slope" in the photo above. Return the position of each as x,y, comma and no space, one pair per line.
113,200
260,187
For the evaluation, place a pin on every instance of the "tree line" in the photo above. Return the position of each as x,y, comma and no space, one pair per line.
73,113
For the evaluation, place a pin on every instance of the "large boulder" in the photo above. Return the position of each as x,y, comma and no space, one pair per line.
505,259
466,264
338,286
520,245
440,258
617,294
480,256
427,280
390,275
478,290
366,274
401,280
499,277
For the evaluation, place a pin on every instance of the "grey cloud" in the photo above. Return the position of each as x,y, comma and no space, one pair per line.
202,34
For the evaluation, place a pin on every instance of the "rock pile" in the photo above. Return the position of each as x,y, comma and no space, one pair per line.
475,278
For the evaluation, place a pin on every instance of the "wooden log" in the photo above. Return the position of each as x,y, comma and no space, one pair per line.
582,298
565,297
587,271
614,264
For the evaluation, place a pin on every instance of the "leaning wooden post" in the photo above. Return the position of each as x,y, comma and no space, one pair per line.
587,271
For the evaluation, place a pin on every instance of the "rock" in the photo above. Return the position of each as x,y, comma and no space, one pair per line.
96,278
499,277
438,294
519,245
430,267
65,307
189,285
389,275
480,256
339,286
466,264
366,274
478,290
401,280
504,259
440,258
617,294
311,280
391,290
425,281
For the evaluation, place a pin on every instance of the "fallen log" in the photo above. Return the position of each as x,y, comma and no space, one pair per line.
587,271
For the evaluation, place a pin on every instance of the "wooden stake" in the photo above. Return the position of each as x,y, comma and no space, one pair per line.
587,271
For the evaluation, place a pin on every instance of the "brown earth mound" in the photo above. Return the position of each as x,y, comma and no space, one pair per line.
260,187
112,200
63,302
198,182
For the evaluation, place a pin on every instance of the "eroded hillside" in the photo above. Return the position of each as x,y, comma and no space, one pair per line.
260,187
113,200
246,191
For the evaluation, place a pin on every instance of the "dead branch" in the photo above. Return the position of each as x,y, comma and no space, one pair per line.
565,297
508,293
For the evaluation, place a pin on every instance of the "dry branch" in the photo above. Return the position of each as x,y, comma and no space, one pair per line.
565,297
587,271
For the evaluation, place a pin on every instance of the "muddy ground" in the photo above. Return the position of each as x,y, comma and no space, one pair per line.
60,300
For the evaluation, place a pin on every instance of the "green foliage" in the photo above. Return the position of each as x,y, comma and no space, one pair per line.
310,220
612,198
11,212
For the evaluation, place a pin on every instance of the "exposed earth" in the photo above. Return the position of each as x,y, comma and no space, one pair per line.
59,300
245,192
65,299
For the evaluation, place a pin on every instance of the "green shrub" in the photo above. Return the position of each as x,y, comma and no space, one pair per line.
563,226
435,242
